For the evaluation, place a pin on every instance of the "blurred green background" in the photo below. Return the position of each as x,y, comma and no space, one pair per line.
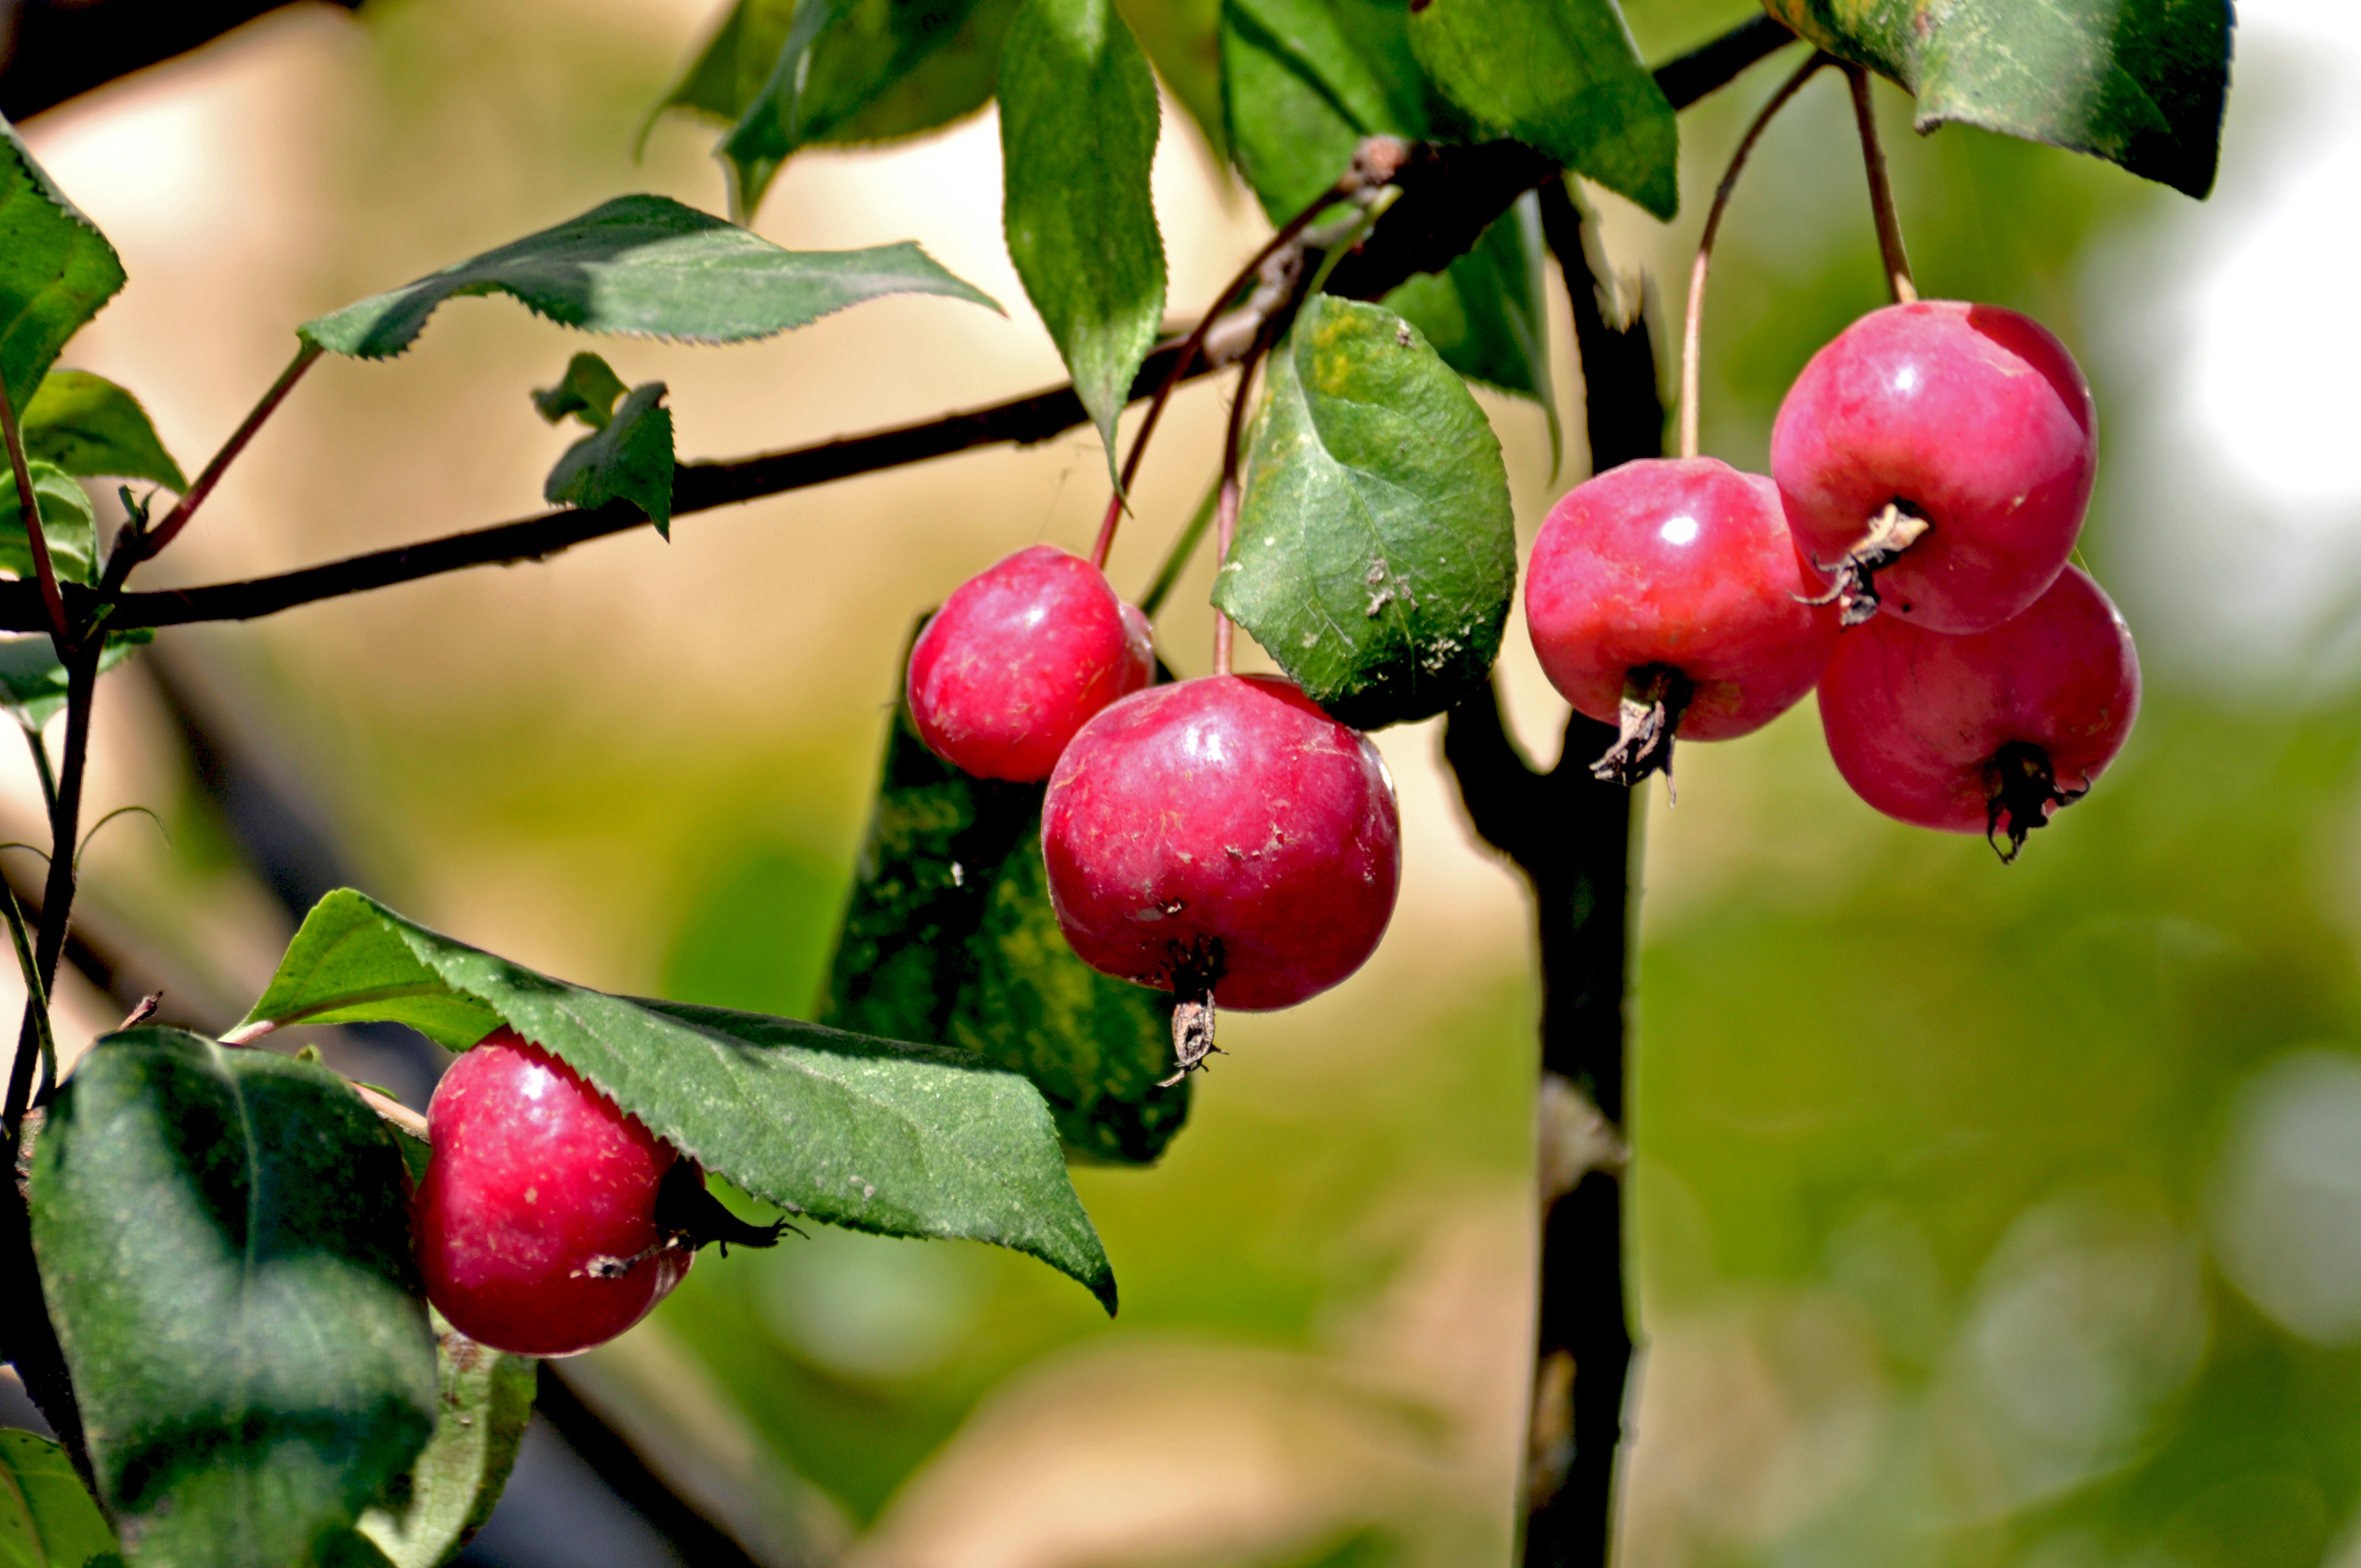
1984,1216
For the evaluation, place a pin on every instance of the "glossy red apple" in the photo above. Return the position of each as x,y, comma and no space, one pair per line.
1018,658
1969,420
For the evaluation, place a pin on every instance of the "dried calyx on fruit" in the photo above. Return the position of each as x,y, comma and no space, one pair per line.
1225,841
1665,596
549,1220
1938,458
1991,733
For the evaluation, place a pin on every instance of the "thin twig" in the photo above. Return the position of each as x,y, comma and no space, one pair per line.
186,507
1375,163
1226,504
36,533
58,893
37,995
390,1110
1881,190
1693,329
49,777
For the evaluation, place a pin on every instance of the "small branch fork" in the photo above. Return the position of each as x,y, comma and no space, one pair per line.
1276,266
152,545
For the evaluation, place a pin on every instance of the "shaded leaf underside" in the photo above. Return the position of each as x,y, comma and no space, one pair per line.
869,1134
224,1240
949,936
2138,83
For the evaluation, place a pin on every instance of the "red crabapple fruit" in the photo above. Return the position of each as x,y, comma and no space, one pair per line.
1989,733
550,1220
1223,839
1018,657
1664,596
1940,455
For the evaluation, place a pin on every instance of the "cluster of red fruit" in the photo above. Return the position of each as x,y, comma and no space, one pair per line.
1908,554
1221,839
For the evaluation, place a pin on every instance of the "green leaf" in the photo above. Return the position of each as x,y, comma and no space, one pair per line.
1078,124
902,1140
1376,552
1485,316
88,425
949,936
1563,75
648,266
55,269
734,66
879,69
1181,41
32,680
588,390
47,1520
768,131
68,523
1306,81
631,459
430,1510
225,1246
1098,1048
2138,84
950,77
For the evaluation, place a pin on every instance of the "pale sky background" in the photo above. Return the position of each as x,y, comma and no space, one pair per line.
2237,483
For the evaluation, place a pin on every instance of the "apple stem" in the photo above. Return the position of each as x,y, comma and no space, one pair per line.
1881,190
1375,163
1693,329
1107,524
152,545
1225,505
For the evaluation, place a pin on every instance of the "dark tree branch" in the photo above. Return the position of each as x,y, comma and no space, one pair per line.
1623,407
1571,835
27,1341
1450,194
52,49
626,1473
1714,64
27,1338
